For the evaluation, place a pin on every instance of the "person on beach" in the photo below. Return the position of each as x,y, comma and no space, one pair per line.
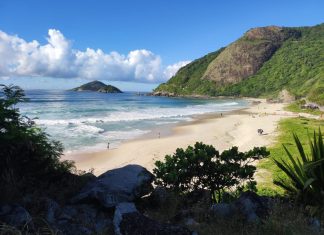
108,145
159,135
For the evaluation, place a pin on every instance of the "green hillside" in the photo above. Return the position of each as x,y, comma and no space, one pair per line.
297,64
188,81
97,86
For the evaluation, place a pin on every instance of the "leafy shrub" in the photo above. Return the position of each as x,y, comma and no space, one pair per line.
29,160
202,167
305,173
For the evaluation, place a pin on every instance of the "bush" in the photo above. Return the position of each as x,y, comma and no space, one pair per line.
29,160
305,174
202,167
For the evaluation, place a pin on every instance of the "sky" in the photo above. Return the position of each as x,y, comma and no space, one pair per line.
132,44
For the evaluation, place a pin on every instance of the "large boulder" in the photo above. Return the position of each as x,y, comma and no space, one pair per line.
124,184
127,220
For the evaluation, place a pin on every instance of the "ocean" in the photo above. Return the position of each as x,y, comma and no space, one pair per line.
87,121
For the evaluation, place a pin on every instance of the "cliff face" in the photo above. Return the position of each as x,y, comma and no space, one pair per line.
98,87
262,62
246,56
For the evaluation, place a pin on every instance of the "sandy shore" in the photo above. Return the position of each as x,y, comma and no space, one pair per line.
238,128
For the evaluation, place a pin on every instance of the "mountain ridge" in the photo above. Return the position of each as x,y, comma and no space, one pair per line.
264,61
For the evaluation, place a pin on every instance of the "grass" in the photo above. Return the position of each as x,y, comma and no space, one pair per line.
295,107
304,128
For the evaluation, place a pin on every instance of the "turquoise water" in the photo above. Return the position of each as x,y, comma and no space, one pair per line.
88,120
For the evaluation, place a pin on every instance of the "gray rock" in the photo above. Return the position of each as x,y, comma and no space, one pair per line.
16,216
53,210
76,219
121,209
115,186
252,206
315,224
223,210
127,220
191,222
83,218
159,196
249,205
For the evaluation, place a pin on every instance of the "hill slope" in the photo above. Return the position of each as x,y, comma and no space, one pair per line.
261,63
98,87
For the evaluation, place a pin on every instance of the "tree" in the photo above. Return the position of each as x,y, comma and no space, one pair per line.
28,158
202,167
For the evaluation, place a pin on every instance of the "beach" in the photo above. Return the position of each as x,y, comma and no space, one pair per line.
237,128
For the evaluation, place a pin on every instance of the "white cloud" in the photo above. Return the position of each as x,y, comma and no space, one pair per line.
171,70
57,58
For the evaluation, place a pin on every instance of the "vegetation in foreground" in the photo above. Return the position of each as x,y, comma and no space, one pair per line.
305,174
202,167
285,217
297,191
30,161
220,177
303,128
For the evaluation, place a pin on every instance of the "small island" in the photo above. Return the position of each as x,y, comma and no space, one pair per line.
98,87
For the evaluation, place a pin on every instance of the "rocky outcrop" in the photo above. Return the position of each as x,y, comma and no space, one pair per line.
167,94
81,219
245,57
127,220
286,97
249,205
124,184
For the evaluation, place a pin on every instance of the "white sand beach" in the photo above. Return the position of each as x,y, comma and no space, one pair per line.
238,128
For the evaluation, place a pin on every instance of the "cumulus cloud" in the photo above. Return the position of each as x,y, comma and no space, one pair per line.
57,58
171,70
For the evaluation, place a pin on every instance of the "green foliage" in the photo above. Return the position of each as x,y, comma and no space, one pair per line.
187,80
298,66
202,167
28,158
317,93
305,173
267,169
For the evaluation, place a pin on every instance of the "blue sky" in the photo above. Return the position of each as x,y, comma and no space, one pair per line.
152,39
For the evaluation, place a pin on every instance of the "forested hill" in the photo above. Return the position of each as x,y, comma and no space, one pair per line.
262,62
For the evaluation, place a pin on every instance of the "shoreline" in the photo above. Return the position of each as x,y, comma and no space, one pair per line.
220,131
